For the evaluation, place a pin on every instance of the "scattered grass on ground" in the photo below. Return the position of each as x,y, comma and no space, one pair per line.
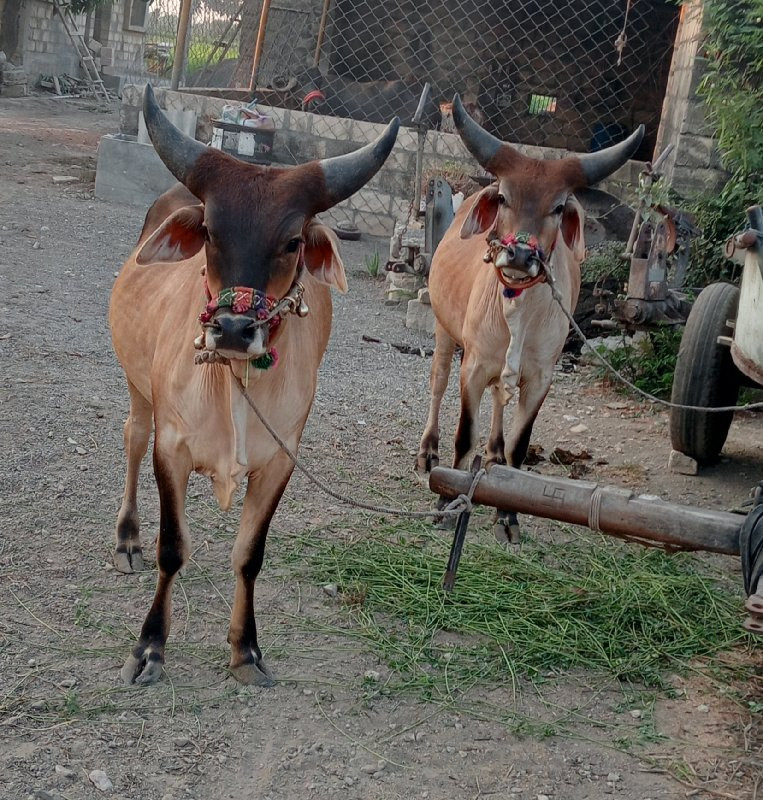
616,610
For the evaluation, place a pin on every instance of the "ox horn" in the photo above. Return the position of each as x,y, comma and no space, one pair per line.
597,166
481,144
344,175
178,151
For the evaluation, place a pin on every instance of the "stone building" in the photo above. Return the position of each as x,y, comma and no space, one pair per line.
33,36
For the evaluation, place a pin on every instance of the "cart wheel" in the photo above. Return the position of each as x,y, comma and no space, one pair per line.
705,375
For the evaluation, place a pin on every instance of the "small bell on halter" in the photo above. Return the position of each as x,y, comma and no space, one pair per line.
302,309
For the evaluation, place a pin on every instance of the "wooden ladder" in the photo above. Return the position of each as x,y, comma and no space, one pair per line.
92,76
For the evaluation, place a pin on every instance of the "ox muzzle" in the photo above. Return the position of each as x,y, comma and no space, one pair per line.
519,261
241,322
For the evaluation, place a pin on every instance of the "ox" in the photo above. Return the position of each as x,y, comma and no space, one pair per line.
244,237
494,299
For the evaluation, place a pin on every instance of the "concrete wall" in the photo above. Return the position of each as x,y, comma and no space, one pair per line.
47,50
694,165
311,136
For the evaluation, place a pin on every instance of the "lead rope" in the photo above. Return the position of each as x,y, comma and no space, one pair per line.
555,294
459,505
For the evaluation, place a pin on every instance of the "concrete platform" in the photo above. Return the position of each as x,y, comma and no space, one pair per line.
130,172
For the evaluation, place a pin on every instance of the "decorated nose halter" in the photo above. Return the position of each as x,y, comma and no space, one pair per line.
497,247
265,310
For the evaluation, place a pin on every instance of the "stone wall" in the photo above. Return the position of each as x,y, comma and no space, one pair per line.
694,165
310,136
47,50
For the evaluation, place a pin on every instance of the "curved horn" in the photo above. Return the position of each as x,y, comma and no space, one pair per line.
178,151
344,175
597,166
481,144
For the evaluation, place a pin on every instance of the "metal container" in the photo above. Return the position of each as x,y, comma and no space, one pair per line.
254,145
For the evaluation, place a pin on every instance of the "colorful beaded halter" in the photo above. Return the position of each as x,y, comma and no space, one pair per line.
241,299
512,288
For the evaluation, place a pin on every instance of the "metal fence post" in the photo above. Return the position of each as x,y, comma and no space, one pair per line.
180,43
258,44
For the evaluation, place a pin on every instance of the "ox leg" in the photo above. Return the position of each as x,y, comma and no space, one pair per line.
144,665
128,555
533,389
473,383
428,456
263,493
506,524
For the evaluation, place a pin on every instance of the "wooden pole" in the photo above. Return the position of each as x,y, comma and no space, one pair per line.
258,44
321,32
180,43
616,512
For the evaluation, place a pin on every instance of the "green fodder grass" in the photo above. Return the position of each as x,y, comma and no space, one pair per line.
594,604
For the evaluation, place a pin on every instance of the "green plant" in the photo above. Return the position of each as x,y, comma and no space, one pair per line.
605,260
372,263
650,363
732,88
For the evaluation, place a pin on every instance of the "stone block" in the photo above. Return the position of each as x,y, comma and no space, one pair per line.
132,95
128,115
328,148
695,180
301,122
419,317
16,90
423,296
365,132
129,172
332,127
401,160
681,463
696,151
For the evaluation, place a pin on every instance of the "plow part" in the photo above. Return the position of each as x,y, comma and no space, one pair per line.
643,518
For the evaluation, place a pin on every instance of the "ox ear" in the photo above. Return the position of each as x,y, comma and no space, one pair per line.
179,237
322,256
481,216
573,220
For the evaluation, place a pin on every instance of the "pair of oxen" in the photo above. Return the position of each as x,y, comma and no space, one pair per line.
229,285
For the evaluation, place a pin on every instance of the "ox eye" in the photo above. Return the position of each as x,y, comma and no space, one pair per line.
293,245
559,209
501,200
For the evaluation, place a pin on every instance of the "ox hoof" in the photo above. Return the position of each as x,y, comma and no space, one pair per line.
506,531
426,462
128,561
143,670
754,604
252,674
753,625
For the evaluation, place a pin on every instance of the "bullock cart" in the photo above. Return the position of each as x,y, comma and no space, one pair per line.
721,349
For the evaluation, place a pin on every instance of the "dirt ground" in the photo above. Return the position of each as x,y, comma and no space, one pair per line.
68,620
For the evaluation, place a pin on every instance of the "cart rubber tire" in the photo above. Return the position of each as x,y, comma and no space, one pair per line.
705,375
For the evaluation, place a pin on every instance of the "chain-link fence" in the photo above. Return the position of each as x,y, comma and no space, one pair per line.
557,73
570,74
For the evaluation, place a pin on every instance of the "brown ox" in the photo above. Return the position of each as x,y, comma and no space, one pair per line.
251,228
502,312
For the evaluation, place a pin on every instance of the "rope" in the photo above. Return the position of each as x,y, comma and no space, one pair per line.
462,503
555,294
594,509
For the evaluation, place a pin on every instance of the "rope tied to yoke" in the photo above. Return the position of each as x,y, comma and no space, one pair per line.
459,505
